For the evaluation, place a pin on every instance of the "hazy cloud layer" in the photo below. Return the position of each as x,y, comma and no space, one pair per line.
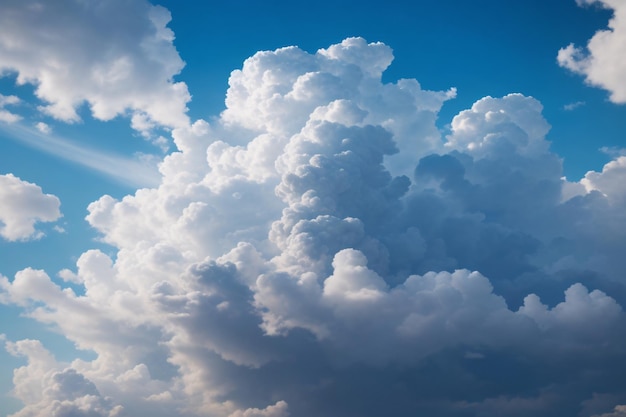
321,249
602,61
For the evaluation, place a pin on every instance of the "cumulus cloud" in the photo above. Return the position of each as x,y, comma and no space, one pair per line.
43,127
601,62
277,410
609,182
118,66
49,390
22,205
340,84
320,246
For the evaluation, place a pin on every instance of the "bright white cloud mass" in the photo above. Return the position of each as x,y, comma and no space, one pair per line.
22,204
320,248
117,62
602,62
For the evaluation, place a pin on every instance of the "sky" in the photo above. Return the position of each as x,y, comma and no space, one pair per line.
273,209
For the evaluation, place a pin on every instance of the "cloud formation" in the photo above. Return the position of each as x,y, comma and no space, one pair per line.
5,115
320,247
120,61
619,411
22,205
48,390
137,171
602,61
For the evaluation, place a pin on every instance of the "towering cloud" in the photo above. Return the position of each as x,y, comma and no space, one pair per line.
320,249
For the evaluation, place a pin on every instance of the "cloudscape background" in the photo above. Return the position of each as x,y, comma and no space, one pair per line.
261,209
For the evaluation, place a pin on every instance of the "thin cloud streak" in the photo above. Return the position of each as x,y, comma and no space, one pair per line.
126,171
573,106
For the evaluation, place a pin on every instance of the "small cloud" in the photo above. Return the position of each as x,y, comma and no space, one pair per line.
69,276
162,143
164,396
613,151
59,229
7,116
43,127
22,205
574,105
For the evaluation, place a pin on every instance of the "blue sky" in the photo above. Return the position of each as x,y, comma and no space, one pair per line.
418,210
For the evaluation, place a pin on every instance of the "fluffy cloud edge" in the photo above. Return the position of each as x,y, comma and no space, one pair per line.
22,205
602,61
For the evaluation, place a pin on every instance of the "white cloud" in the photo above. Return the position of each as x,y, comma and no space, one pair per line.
613,151
116,65
320,240
610,182
5,115
22,205
43,127
49,390
277,410
277,91
602,62
492,126
573,106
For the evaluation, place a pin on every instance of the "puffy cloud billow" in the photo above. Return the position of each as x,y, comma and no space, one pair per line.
322,249
22,205
602,62
116,56
47,389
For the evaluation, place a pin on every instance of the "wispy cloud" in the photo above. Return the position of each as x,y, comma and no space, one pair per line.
573,106
613,151
135,172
